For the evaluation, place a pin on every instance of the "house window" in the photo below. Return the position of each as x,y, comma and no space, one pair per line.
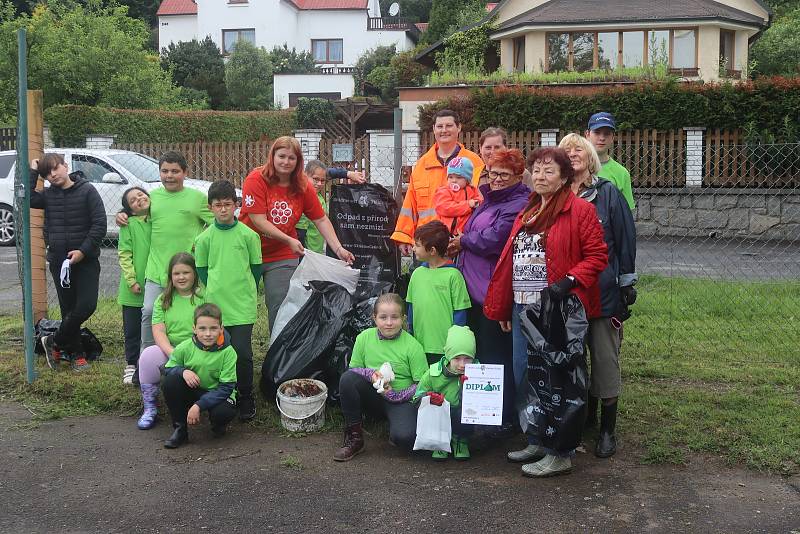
607,50
582,51
327,50
726,45
683,49
632,49
231,37
658,47
557,51
519,54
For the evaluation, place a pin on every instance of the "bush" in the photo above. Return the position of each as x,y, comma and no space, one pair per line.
285,61
466,51
69,125
248,77
313,112
197,65
765,104
379,56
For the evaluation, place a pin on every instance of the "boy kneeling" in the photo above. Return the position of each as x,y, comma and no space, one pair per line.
444,380
201,375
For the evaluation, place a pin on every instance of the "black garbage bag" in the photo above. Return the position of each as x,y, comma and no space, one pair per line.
364,217
91,345
553,402
302,348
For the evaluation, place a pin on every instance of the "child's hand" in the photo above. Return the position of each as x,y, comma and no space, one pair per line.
191,378
376,376
436,398
355,177
386,389
473,203
193,417
463,378
121,219
136,289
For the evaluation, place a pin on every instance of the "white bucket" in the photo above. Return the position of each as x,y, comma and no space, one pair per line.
299,413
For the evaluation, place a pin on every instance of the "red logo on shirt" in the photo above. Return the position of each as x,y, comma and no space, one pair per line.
281,212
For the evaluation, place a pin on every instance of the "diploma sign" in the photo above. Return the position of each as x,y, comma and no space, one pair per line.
482,395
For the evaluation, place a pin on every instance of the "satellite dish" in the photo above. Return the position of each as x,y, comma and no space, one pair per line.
394,9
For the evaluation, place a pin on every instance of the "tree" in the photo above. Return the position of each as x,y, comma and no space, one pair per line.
248,77
777,52
285,61
449,15
84,55
465,51
402,71
197,65
416,10
369,60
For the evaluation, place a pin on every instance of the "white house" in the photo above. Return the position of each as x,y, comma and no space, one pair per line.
336,32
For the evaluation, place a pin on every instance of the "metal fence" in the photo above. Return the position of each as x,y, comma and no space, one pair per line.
719,264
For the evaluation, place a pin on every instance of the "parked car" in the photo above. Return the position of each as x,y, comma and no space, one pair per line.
110,171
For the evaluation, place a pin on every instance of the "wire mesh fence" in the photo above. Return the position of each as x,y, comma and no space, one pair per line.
719,263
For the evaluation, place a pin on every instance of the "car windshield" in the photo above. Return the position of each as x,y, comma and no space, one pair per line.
143,167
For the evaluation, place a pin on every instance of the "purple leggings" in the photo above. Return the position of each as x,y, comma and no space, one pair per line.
151,362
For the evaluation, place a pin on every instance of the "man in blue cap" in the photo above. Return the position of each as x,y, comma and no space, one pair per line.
600,133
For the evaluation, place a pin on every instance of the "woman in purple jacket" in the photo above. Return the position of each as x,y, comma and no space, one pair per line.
478,249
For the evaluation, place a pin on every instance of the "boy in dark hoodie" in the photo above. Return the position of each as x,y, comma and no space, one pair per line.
74,225
444,380
201,375
437,293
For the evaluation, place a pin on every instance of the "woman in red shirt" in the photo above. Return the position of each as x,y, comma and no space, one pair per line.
556,246
274,197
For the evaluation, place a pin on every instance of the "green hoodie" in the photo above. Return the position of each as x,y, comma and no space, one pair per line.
438,378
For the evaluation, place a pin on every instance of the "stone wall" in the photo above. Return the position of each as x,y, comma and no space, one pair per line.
694,212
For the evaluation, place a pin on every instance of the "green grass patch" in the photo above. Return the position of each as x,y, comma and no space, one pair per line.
709,367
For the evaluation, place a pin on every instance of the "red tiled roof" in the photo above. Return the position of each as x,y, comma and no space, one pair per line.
329,4
421,26
490,7
177,7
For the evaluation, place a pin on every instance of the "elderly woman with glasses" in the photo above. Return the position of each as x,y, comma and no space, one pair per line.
478,249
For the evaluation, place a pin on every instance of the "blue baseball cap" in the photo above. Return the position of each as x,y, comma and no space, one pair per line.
602,120
462,167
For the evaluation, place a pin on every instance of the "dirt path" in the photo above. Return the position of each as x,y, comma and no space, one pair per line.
100,474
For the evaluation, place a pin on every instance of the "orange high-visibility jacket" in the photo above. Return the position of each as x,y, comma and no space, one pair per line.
428,175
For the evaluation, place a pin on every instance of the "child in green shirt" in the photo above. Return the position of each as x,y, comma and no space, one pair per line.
228,256
173,320
443,381
201,376
133,248
437,293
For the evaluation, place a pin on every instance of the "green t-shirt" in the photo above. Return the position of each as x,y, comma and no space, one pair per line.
619,176
404,353
177,219
229,253
314,240
133,248
435,294
212,367
179,318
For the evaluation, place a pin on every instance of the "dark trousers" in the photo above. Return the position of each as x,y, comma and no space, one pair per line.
458,428
77,302
358,396
241,341
494,346
180,397
132,329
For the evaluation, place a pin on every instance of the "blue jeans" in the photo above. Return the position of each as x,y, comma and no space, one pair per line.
520,362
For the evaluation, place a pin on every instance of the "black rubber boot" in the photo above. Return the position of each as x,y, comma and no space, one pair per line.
247,406
591,413
607,443
179,436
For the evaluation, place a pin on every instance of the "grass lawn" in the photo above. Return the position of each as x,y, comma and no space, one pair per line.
710,367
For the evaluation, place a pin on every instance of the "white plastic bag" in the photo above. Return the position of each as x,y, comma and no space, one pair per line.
314,266
433,426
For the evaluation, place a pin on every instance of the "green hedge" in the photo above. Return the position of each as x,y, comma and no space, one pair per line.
70,124
768,104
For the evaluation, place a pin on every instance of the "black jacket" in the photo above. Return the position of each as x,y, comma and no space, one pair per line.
74,218
619,233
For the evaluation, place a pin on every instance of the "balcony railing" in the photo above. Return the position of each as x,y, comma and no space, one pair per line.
388,23
337,70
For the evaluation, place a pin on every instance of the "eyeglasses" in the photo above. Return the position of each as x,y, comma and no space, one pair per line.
504,176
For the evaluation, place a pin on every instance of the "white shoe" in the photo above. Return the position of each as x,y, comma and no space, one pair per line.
548,466
127,375
531,452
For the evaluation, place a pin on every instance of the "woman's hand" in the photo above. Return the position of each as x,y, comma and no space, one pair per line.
505,326
193,417
454,247
191,379
345,255
296,246
136,289
34,164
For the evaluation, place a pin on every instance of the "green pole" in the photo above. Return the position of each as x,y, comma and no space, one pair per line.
24,199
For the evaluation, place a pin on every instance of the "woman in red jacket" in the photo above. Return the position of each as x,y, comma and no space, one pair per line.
556,245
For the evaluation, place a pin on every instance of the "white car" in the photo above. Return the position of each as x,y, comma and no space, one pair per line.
111,172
